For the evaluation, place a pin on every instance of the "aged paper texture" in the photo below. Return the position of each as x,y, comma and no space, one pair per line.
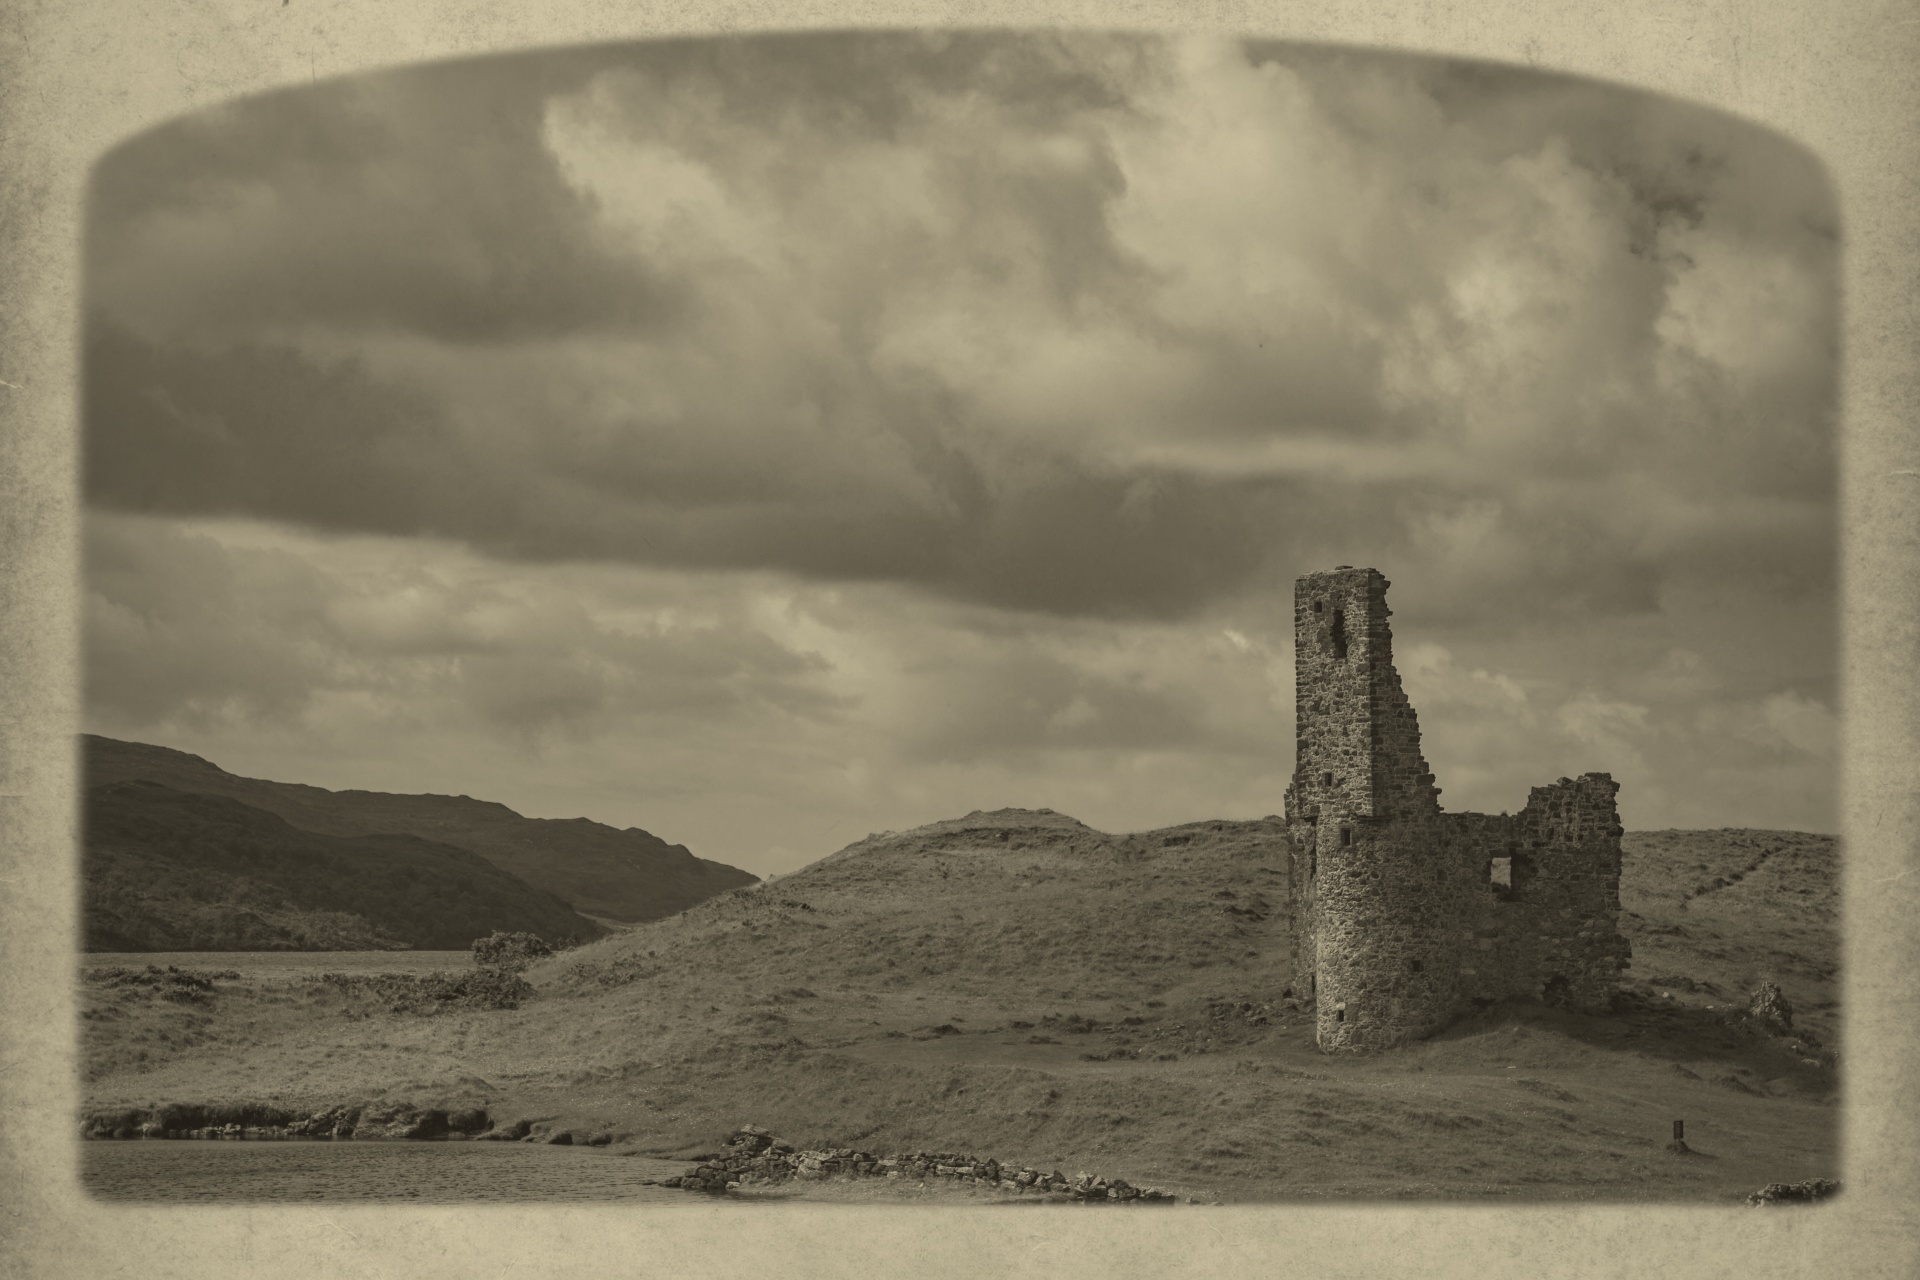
76,79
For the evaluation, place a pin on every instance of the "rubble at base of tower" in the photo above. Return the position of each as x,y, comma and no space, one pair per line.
1405,915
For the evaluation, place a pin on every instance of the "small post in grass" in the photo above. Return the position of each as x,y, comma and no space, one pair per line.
1679,1144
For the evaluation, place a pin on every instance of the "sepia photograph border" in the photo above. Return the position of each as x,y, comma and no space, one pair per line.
77,79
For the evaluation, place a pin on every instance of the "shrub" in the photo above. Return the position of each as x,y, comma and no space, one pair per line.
489,988
509,951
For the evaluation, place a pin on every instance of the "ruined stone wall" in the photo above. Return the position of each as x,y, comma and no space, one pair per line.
1555,935
1395,922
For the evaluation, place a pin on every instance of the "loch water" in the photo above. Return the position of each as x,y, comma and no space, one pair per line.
190,1172
283,965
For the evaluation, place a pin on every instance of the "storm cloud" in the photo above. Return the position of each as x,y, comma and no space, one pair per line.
1050,338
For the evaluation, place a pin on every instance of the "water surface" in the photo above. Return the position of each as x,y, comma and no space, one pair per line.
182,1172
284,964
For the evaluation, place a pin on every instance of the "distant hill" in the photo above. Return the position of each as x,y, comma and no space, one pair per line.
171,870
624,876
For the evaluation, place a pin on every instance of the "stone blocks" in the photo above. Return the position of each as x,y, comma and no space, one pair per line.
1399,922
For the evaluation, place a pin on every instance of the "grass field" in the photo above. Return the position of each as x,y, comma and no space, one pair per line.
1018,985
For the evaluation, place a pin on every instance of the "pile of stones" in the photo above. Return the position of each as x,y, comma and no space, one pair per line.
1769,1006
754,1157
1794,1192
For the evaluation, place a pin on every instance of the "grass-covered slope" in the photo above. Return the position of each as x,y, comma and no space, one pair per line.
1711,914
621,875
169,870
1016,982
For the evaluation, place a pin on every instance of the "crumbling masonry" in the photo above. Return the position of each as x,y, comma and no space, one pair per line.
1404,915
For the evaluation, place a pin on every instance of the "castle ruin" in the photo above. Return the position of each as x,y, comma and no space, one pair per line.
1404,915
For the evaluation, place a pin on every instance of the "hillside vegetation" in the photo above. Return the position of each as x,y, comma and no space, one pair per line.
622,876
1711,914
1017,982
170,870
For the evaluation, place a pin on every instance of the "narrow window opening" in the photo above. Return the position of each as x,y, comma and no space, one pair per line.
1340,1013
1339,633
1317,606
1326,779
1346,836
1415,966
1509,875
1313,862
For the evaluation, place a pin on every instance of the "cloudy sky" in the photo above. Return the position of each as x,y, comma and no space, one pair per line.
769,441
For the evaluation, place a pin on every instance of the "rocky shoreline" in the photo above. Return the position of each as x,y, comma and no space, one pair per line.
1811,1191
751,1156
754,1157
259,1122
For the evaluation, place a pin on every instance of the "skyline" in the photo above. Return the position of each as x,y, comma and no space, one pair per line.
767,441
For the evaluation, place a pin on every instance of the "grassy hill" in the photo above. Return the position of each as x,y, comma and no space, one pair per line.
1712,913
624,876
1019,984
172,870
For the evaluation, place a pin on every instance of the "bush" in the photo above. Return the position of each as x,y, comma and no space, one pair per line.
509,951
490,988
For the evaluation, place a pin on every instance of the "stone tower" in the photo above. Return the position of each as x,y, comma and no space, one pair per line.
1402,913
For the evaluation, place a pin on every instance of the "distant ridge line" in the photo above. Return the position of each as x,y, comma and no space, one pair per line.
625,875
